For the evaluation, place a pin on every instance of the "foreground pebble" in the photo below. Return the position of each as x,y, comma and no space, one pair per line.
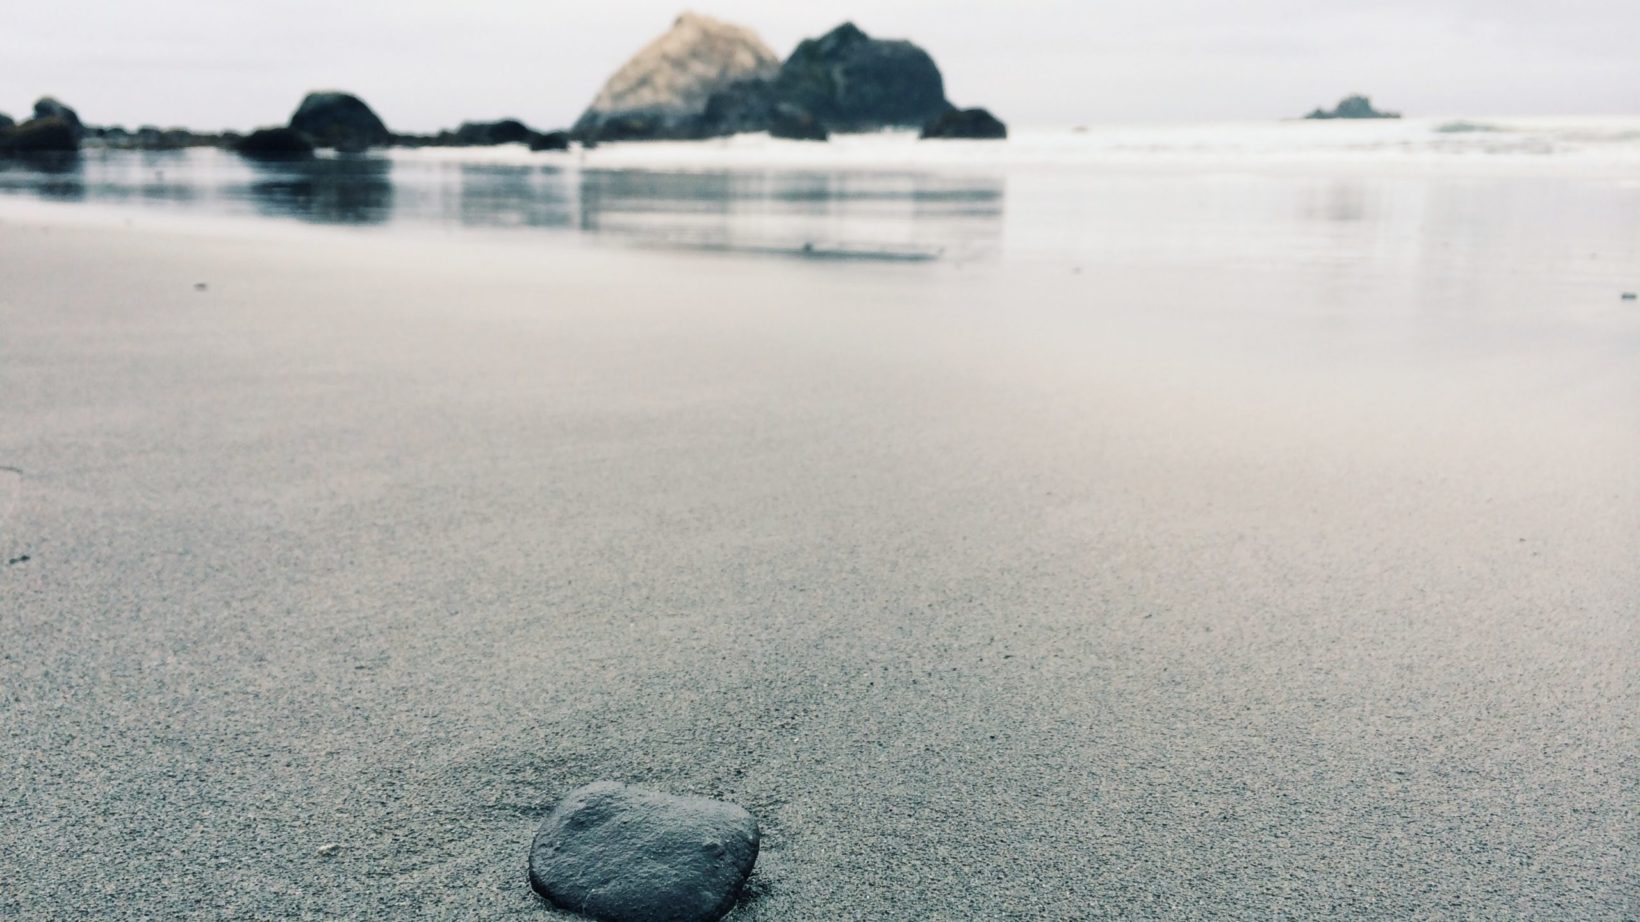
623,854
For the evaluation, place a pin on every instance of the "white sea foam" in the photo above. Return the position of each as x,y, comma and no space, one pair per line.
1606,143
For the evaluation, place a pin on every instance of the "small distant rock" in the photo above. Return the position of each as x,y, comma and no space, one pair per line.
622,854
328,849
1352,107
975,124
200,286
1630,295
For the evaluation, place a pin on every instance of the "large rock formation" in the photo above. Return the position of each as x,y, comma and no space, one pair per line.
853,82
966,123
663,91
6,121
1353,107
339,120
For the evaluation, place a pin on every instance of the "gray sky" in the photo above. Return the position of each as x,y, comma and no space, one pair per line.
424,65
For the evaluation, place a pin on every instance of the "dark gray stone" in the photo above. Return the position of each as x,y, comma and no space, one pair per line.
623,854
966,123
275,144
51,135
795,123
750,105
50,107
339,120
853,82
549,140
6,121
486,134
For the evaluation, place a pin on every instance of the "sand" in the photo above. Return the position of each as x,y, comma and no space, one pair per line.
1129,593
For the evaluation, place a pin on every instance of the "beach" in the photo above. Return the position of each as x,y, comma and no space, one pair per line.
1255,546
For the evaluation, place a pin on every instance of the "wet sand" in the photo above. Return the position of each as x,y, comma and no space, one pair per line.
1009,592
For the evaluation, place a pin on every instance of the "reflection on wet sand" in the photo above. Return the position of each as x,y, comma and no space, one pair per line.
896,215
53,176
340,190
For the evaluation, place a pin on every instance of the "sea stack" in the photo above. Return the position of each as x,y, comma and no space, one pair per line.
340,120
853,82
1352,107
49,107
663,90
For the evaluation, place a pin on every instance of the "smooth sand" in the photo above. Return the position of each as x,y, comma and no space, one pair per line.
1008,593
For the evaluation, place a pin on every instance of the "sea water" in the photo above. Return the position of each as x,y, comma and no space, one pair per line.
1220,191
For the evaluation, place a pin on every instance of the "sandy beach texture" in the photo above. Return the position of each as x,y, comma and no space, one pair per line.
1154,590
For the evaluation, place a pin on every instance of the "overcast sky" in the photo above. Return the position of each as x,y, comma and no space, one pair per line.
424,65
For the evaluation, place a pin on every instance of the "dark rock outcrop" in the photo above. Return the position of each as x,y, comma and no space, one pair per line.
966,123
339,120
1352,107
740,107
663,91
40,136
622,854
6,121
795,123
50,107
275,144
549,140
751,105
149,137
486,134
853,82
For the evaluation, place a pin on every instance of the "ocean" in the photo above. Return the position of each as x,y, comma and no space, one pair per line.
1068,193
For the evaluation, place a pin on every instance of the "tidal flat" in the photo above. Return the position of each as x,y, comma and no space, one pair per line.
1188,542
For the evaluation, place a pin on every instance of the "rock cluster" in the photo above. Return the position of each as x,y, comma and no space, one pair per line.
1352,107
622,854
706,79
702,79
54,129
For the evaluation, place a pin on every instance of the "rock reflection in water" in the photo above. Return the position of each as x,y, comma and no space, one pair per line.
55,176
331,190
860,215
854,214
